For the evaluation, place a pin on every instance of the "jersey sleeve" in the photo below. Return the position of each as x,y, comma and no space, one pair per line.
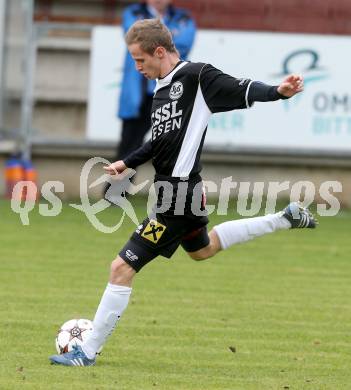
261,92
139,156
223,92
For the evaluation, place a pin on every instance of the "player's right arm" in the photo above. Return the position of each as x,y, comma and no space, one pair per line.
136,158
115,168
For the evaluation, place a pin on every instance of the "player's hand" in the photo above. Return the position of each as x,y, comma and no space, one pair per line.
115,168
291,85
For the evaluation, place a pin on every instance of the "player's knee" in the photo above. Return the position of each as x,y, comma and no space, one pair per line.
121,271
204,253
198,256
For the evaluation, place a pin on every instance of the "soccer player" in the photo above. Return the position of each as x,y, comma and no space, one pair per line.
185,96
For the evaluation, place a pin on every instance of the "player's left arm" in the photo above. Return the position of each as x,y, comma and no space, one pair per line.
291,85
223,92
260,92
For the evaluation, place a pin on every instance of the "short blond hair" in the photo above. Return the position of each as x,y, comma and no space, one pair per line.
150,34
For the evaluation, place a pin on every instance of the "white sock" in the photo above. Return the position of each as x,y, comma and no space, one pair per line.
112,305
241,230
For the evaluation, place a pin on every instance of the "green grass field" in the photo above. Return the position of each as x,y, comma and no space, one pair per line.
274,313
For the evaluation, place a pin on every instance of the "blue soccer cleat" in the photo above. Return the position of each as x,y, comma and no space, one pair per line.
76,357
299,216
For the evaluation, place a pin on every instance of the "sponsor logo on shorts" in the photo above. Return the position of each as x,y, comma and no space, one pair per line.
131,256
153,231
139,229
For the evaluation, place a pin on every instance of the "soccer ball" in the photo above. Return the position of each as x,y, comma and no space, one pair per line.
72,332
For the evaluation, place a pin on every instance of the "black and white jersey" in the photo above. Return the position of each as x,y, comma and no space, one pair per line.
182,106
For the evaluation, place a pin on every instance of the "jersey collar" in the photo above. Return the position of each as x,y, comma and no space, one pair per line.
160,83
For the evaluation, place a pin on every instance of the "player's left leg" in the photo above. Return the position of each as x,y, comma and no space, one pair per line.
234,232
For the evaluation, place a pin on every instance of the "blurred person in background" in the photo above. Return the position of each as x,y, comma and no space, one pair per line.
137,92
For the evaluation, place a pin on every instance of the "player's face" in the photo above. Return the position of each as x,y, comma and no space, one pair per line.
145,63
